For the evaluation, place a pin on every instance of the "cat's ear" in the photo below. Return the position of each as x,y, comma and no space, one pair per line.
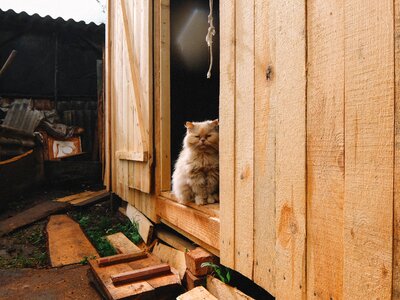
215,122
189,125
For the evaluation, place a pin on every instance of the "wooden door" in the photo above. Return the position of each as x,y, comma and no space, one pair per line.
129,108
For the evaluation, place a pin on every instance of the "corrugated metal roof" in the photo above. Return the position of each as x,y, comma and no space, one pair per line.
22,117
12,19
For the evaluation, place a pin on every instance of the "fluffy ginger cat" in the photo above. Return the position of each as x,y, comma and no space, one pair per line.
196,172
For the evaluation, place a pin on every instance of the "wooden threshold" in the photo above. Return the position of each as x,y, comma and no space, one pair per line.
196,225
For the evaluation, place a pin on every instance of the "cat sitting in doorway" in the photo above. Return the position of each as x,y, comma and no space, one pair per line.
196,173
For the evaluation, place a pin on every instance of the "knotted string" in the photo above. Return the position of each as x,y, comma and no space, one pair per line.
209,37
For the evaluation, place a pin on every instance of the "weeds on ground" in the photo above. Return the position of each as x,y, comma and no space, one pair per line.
223,273
98,226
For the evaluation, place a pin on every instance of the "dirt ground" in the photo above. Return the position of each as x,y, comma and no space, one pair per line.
68,282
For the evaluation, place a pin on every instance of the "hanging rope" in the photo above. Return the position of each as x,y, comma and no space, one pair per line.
209,37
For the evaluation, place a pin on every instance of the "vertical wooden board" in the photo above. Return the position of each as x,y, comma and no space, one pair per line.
165,93
227,131
290,149
396,206
244,138
107,100
369,120
325,149
264,151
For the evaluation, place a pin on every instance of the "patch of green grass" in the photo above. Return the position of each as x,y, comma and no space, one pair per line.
97,225
38,259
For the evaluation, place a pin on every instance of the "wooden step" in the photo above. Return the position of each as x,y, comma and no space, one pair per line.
66,241
122,244
84,198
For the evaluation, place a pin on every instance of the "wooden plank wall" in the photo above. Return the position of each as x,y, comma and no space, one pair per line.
129,177
309,168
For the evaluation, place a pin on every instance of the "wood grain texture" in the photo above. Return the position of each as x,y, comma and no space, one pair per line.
122,244
194,222
325,149
66,241
244,138
224,291
369,119
227,131
174,240
290,149
396,206
264,140
198,293
175,258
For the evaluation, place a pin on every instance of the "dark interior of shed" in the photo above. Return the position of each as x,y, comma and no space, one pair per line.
193,96
50,94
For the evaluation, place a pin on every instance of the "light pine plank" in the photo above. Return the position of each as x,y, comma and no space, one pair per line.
325,149
194,222
67,242
290,149
244,138
264,150
396,206
227,131
369,132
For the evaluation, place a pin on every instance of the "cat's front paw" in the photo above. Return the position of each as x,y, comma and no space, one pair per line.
200,200
212,198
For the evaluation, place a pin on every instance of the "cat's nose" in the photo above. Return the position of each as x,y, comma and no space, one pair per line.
202,140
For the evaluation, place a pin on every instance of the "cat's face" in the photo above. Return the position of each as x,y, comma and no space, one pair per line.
202,135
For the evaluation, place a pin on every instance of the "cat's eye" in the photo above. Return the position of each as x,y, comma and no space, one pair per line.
208,135
197,136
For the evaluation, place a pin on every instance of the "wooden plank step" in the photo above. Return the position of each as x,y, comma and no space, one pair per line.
224,291
84,198
66,241
31,215
198,293
171,256
122,244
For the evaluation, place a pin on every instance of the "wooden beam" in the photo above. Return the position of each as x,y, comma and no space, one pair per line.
120,258
132,156
141,274
194,222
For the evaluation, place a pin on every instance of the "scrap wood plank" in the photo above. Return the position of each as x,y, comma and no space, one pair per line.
67,242
224,291
153,288
145,227
31,215
171,256
141,274
198,293
84,198
122,244
120,258
174,240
